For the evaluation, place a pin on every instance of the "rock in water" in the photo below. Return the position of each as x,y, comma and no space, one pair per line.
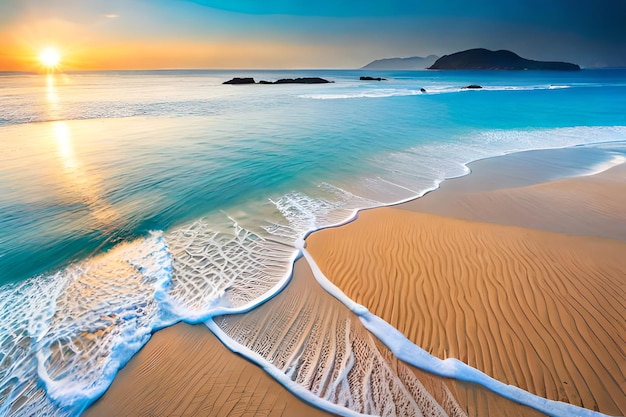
372,79
305,80
237,80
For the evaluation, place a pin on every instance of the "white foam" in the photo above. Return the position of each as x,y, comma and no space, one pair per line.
26,309
605,165
558,87
110,300
373,93
428,89
282,378
85,325
223,273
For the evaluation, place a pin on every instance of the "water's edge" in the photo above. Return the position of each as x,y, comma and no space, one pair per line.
401,347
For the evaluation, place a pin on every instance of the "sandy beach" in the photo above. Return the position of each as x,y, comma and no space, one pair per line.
523,281
185,371
536,309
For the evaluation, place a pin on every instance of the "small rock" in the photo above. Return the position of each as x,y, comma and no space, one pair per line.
237,80
372,79
305,80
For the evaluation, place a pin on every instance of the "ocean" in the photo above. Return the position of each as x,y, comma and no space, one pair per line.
132,200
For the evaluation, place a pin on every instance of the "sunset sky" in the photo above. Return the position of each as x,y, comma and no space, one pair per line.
146,34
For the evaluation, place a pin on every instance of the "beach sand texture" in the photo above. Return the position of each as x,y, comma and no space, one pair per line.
185,371
323,346
593,205
540,310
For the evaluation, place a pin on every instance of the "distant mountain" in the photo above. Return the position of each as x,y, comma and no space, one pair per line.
412,63
496,60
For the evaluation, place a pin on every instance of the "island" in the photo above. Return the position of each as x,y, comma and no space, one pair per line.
484,59
367,78
304,80
410,63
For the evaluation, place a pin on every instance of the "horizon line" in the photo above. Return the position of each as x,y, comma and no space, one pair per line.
76,71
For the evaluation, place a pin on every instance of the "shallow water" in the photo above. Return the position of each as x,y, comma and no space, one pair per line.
132,200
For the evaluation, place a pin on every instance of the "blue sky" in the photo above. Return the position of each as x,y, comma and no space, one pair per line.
302,34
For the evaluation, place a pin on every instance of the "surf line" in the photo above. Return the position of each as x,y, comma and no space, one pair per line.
407,351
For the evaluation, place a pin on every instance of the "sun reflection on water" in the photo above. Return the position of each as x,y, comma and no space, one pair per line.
64,145
80,185
52,98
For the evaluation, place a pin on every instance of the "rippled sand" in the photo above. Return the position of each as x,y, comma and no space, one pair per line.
324,347
313,338
540,310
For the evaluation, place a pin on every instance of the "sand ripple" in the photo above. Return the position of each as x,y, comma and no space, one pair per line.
539,310
321,345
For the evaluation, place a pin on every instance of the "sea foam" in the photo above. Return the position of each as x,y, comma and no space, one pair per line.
76,328
383,92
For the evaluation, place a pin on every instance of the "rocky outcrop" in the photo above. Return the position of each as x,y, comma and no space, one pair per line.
473,87
237,80
372,79
305,80
484,59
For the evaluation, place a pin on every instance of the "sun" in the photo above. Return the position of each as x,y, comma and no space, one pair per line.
50,58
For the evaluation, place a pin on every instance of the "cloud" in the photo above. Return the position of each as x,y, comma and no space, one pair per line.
111,16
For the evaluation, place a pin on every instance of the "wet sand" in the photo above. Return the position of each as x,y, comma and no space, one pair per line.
505,191
185,371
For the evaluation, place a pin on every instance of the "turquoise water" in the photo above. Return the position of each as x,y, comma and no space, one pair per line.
132,200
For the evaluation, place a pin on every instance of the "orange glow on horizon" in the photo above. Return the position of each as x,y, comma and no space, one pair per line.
81,47
26,53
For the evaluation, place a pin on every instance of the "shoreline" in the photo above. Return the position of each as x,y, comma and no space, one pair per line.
341,257
357,212
467,168
222,383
